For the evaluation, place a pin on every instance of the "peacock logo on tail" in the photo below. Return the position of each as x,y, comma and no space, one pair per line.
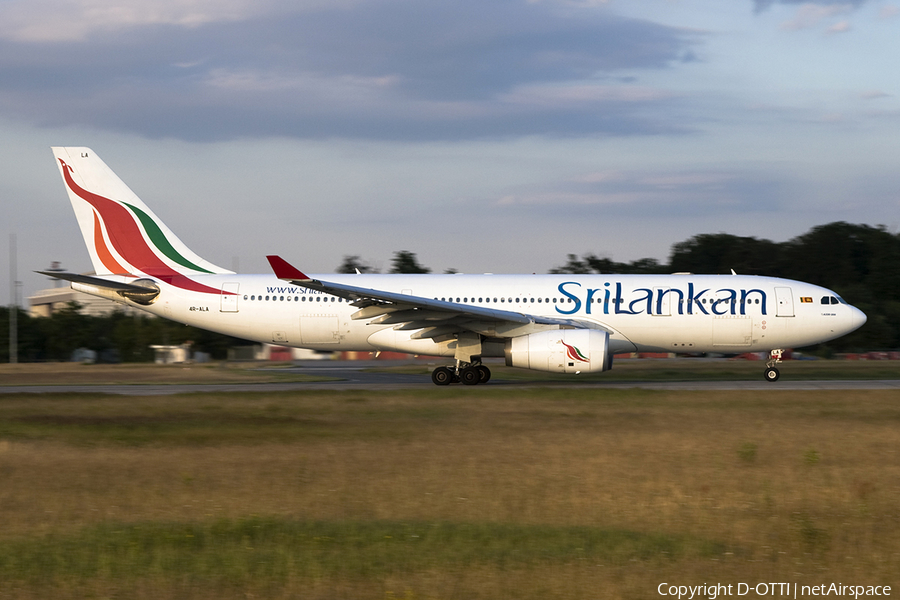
125,227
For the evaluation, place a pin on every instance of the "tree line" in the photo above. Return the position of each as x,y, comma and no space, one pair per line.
859,262
115,337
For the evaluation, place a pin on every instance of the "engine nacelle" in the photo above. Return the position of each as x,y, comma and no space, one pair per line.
561,351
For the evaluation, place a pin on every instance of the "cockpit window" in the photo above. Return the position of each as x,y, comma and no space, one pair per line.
833,300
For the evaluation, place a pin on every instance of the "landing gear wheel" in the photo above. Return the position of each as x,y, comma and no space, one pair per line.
485,374
442,376
470,376
772,374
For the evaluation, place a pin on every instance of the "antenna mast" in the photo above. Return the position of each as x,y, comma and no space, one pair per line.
14,303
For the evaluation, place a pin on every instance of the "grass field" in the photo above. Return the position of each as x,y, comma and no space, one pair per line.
145,373
445,493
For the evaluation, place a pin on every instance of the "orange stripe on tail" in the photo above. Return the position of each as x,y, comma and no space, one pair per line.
106,257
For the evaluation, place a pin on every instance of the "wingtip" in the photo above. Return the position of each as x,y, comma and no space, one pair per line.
285,270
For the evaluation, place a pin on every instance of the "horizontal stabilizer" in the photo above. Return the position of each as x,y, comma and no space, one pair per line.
142,294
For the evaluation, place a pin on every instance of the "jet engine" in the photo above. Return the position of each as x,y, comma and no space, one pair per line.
561,351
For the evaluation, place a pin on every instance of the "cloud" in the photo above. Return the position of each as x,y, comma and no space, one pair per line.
811,15
762,5
888,11
839,27
76,20
398,69
662,194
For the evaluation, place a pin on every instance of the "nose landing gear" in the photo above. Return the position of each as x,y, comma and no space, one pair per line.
771,373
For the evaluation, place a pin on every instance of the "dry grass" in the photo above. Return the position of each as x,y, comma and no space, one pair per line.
143,373
739,487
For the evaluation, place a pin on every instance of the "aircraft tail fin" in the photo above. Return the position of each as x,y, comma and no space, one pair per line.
123,236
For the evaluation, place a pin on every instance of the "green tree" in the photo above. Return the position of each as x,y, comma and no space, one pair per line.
719,253
352,264
406,262
590,263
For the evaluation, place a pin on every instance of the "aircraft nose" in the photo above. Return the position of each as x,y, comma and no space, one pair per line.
857,318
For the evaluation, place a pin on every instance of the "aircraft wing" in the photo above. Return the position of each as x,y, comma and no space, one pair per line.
435,317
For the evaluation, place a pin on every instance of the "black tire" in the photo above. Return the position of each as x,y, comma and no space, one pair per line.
485,374
470,376
442,376
772,374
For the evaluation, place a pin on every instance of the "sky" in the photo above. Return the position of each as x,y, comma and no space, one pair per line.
484,136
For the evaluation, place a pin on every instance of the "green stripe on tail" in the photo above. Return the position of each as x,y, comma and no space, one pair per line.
160,241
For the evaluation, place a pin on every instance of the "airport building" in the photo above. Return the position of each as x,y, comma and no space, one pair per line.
44,303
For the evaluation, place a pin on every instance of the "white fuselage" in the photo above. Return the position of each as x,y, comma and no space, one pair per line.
662,313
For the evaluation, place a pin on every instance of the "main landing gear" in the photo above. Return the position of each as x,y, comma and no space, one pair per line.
771,373
467,373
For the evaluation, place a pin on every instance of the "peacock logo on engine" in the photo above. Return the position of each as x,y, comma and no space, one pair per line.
574,353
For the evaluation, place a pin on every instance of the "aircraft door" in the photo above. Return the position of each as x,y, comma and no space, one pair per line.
229,297
319,329
784,299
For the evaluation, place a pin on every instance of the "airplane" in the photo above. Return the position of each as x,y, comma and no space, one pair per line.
555,323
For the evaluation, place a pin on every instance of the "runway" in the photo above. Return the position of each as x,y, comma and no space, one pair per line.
350,376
